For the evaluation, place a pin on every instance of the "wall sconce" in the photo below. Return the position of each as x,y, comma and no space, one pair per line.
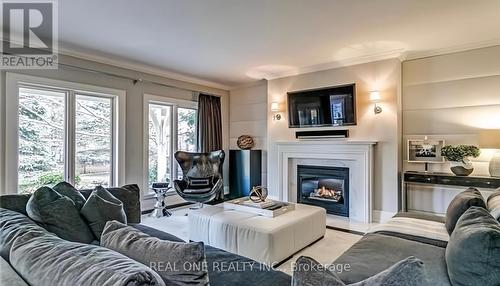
275,109
375,97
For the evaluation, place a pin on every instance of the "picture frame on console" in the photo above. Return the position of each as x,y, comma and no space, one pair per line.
425,150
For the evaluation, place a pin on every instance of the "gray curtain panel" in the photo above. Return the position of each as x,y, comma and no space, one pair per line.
209,123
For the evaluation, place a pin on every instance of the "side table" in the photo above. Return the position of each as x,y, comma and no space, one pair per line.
160,209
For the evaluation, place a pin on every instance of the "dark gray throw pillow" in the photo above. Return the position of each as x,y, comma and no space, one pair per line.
58,214
12,225
15,203
101,207
461,203
129,195
407,272
49,260
66,189
494,204
178,263
473,252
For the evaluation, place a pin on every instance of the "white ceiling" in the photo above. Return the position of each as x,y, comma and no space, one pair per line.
232,42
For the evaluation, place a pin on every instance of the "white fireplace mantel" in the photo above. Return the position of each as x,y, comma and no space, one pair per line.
356,154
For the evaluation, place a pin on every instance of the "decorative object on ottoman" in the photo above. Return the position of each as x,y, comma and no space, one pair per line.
460,158
245,142
160,209
258,194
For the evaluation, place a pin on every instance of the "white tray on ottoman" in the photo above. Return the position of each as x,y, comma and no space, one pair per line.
239,205
264,239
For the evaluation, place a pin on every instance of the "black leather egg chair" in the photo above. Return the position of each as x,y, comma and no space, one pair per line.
202,176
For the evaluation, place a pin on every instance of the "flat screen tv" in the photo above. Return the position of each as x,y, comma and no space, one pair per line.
324,107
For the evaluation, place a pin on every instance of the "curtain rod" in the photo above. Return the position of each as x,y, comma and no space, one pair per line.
134,80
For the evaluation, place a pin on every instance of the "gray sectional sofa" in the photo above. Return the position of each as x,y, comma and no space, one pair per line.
383,247
254,274
407,234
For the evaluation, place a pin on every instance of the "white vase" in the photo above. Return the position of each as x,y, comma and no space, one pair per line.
462,168
495,165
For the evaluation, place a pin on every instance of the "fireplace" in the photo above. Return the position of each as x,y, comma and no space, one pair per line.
326,187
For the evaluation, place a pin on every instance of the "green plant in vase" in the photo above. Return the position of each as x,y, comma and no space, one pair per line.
460,158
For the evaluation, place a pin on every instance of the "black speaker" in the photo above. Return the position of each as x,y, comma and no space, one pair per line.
244,172
322,134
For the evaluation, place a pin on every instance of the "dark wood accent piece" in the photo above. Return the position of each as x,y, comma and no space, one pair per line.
245,172
447,179
452,180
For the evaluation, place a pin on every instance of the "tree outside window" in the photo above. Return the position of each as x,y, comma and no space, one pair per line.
163,144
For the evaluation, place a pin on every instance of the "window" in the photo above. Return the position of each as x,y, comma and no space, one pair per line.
171,126
65,132
94,138
41,137
186,129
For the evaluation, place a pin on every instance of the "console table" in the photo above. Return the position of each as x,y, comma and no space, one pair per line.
447,179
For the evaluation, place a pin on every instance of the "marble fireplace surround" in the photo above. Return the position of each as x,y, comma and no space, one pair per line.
353,154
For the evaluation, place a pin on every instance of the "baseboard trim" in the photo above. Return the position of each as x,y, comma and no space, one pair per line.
345,230
381,216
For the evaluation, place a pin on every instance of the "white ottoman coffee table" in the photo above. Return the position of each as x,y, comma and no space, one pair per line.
264,239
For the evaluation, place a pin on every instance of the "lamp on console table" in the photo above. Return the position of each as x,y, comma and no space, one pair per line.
490,139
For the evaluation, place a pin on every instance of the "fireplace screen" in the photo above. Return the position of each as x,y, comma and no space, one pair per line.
327,187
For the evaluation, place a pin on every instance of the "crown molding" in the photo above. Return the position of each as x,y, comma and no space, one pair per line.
392,54
257,82
137,67
400,54
142,68
451,50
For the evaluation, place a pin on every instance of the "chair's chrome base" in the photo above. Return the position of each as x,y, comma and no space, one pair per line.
197,206
160,212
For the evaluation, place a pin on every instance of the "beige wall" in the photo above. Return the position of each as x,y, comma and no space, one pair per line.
454,97
384,128
134,104
248,116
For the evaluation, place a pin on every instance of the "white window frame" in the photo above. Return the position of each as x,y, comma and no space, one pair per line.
14,81
175,104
